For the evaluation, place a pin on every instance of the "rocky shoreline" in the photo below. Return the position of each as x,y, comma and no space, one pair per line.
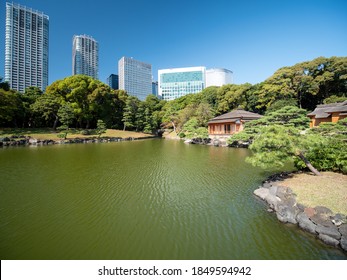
320,221
29,141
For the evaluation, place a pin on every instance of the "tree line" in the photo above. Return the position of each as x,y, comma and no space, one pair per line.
80,101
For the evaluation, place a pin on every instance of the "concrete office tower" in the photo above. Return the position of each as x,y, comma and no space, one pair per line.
177,82
135,77
218,77
85,56
26,47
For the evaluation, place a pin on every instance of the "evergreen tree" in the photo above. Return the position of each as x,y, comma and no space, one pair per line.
129,113
100,127
275,145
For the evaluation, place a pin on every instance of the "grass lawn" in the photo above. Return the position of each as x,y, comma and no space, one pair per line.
46,133
329,190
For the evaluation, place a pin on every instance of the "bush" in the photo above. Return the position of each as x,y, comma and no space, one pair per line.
181,135
62,135
87,132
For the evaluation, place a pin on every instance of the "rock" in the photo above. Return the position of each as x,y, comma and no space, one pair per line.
266,185
343,230
321,210
330,231
301,207
272,200
261,192
291,201
343,243
338,219
273,190
284,192
305,223
33,141
328,240
323,220
286,212
309,212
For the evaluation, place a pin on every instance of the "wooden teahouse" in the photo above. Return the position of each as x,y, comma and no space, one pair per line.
230,123
328,113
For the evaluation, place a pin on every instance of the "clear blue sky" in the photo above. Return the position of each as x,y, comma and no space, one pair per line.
251,38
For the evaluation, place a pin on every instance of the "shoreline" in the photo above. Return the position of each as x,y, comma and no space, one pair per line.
29,141
320,221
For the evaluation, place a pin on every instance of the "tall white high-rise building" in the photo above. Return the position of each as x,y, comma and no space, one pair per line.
135,77
26,47
218,77
85,56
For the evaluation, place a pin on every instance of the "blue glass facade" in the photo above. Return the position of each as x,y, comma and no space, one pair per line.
113,81
85,56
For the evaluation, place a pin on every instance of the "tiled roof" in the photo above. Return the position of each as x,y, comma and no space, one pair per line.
236,115
325,110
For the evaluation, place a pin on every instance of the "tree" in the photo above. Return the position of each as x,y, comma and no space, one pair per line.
129,113
139,116
279,104
4,85
275,145
66,116
170,115
335,99
309,82
232,96
10,107
100,127
148,121
192,130
47,105
332,153
288,116
89,98
204,112
210,96
115,113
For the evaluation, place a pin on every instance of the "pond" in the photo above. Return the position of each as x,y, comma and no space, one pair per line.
150,199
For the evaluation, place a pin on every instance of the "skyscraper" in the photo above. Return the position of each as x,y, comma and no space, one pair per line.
155,88
177,82
26,47
113,82
135,77
85,56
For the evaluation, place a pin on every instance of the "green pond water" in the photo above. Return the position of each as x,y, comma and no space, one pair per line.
151,199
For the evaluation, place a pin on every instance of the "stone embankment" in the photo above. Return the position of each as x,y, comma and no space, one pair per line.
329,227
27,140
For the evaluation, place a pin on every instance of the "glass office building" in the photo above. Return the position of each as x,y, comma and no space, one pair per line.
85,56
112,81
26,47
177,82
135,77
155,88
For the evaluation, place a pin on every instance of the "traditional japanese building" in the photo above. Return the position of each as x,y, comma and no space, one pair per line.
230,123
328,113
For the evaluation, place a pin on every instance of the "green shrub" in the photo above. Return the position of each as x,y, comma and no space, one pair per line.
87,132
